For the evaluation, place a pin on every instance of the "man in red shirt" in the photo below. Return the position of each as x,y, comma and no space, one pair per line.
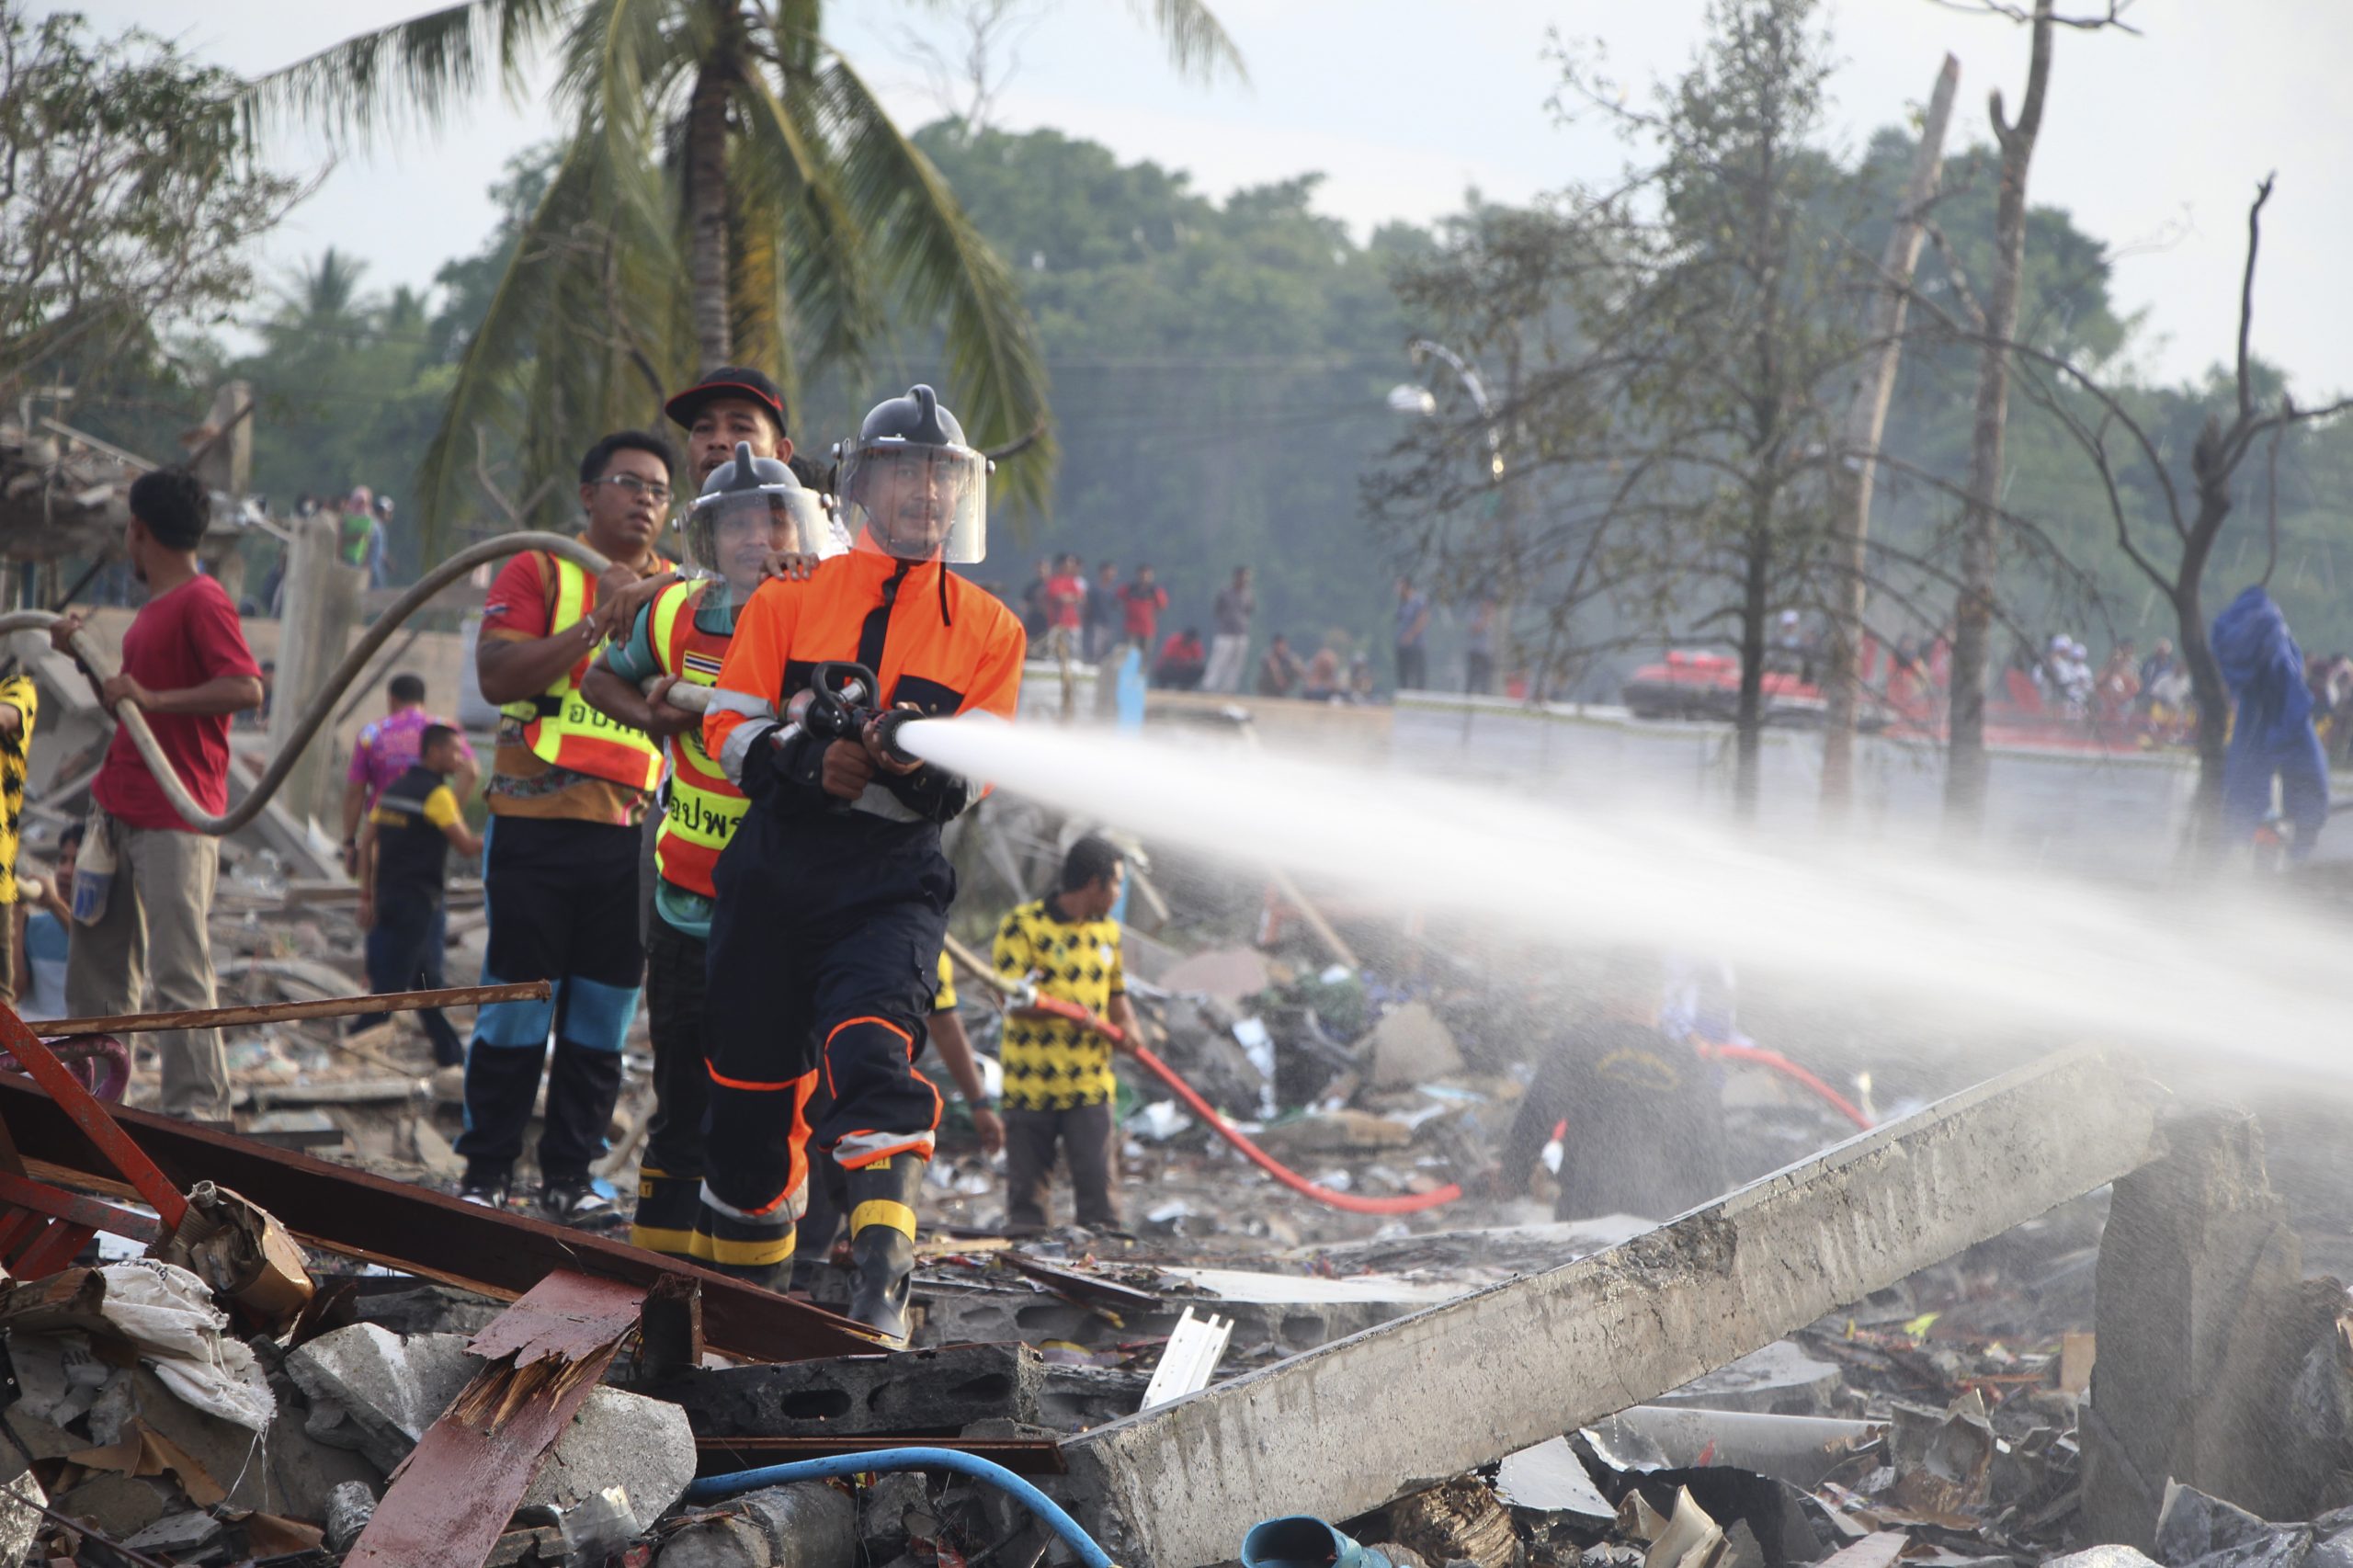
185,665
1067,592
1140,603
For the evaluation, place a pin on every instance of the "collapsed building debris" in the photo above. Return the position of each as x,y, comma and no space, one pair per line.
429,1234
1483,1427
1569,1345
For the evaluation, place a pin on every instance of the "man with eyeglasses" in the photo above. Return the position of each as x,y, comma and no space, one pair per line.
568,795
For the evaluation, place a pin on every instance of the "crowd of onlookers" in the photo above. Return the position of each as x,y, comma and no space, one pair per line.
1096,618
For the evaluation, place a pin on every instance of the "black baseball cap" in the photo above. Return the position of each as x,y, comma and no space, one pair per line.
728,381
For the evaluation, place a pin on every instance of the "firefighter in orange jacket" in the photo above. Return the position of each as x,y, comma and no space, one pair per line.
751,510
832,892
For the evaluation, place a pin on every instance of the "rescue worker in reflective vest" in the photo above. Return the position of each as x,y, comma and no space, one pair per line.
833,891
750,509
568,792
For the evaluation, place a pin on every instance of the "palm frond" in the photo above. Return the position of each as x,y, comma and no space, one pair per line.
785,181
579,336
1199,45
413,74
942,269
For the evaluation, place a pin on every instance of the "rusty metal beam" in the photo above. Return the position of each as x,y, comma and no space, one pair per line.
450,1499
286,1012
419,1232
90,1213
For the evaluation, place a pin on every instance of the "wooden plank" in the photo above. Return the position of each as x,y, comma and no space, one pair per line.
449,1500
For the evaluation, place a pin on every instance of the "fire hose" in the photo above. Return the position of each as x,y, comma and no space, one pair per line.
1025,996
1725,1050
101,668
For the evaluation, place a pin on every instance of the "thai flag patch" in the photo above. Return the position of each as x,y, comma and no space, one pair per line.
702,665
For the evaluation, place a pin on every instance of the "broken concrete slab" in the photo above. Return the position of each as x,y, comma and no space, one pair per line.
21,1501
373,1391
1469,1382
616,1438
450,1499
1230,974
1409,1047
912,1392
2102,1557
2221,1367
807,1526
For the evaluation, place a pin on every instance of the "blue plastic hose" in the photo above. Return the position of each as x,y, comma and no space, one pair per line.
711,1488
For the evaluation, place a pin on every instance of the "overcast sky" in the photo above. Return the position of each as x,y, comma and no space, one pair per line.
2155,142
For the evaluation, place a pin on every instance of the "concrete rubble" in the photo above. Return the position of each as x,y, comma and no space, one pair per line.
1878,1350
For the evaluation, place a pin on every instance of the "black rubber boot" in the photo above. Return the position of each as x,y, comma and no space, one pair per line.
664,1218
882,1244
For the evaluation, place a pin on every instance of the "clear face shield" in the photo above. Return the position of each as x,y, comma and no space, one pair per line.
730,534
915,501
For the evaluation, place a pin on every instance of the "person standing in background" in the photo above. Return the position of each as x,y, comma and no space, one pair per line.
1279,672
1479,648
143,934
403,881
1140,603
387,748
1230,648
1066,609
1413,625
1058,1084
1038,604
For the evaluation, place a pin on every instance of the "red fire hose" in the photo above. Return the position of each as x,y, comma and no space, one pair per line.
1724,1050
1408,1203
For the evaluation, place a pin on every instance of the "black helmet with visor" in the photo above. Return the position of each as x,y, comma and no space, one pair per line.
911,487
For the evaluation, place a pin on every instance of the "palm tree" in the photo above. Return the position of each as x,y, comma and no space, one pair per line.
719,141
321,302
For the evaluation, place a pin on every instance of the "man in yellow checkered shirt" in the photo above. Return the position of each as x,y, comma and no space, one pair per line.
1058,1083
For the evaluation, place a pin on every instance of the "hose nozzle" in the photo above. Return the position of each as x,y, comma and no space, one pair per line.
886,735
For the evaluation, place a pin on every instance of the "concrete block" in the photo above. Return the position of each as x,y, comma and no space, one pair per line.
1461,1384
2102,1557
913,1391
1410,1047
618,1439
807,1526
19,1520
116,1505
2221,1367
374,1391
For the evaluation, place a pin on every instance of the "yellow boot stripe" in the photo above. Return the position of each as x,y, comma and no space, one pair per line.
744,1254
883,1211
678,1243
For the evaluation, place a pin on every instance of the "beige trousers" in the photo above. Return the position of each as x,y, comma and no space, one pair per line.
151,950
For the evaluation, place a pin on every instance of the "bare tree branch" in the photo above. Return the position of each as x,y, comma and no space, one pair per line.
2113,17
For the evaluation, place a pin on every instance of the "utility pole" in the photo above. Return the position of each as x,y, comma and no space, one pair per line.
1852,476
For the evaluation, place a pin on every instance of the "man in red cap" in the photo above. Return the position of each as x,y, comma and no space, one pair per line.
732,403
